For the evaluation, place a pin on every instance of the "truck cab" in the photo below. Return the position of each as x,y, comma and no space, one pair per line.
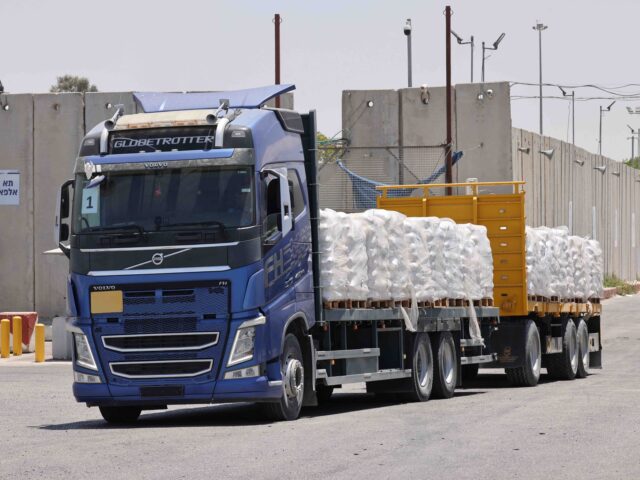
188,231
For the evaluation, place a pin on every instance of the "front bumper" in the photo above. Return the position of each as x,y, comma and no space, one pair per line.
255,389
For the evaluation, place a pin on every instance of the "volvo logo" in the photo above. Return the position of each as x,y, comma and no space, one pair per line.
155,165
157,258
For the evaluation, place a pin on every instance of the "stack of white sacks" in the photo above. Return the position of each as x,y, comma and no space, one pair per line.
383,255
563,265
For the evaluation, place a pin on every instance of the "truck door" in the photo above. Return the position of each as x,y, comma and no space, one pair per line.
277,237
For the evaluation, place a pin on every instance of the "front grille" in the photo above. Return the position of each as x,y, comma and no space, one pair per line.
160,342
161,369
160,325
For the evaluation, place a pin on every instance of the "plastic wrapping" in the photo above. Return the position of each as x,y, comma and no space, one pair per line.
383,255
562,265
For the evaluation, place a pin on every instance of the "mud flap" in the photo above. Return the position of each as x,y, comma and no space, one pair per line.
309,353
509,342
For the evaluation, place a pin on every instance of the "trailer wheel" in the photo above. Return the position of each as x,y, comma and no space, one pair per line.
564,365
445,375
528,374
120,415
421,369
583,349
470,372
292,368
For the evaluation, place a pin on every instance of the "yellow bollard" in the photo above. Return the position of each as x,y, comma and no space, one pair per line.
17,336
4,338
39,342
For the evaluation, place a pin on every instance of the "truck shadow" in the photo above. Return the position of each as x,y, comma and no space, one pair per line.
238,414
498,380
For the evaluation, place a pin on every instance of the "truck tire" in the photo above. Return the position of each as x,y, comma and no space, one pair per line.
470,372
564,365
583,349
421,369
445,376
292,368
120,415
528,374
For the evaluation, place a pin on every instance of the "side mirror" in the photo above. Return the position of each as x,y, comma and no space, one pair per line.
62,230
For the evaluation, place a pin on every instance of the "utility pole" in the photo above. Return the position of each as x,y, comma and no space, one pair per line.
632,138
540,27
407,32
449,141
277,21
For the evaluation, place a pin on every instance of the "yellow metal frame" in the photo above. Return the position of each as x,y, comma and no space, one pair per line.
503,214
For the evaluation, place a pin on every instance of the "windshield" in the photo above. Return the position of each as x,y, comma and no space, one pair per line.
158,199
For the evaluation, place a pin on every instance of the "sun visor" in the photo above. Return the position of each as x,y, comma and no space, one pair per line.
249,98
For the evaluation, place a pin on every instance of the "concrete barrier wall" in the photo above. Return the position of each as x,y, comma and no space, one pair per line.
570,189
39,138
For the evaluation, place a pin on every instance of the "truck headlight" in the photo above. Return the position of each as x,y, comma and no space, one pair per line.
84,357
244,341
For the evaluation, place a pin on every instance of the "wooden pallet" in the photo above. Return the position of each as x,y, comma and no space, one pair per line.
402,303
379,303
425,304
344,304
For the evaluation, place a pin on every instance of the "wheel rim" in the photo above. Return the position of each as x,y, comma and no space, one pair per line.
584,347
534,356
294,380
573,351
447,364
422,368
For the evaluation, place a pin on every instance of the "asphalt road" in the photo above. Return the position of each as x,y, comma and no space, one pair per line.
586,428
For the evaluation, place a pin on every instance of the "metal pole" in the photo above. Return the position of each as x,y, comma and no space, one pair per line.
409,59
540,62
632,141
482,62
471,58
573,117
449,163
277,22
600,133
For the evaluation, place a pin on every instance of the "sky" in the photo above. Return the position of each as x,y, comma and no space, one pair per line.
333,45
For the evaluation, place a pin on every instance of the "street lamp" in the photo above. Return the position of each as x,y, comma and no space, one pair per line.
494,47
462,42
632,138
573,112
407,32
540,27
602,110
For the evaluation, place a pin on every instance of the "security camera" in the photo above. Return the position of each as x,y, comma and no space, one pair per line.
407,27
490,93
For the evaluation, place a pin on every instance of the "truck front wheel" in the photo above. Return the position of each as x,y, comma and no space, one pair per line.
445,375
120,415
292,368
529,373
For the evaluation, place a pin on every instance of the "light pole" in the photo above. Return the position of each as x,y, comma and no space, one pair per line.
573,112
635,112
540,27
494,47
602,110
407,32
462,42
632,138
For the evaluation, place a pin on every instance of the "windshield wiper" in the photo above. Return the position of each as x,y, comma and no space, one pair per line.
205,223
115,229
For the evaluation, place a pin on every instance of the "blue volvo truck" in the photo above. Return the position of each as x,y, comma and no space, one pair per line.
191,232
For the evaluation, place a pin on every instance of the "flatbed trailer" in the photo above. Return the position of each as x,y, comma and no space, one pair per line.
381,348
562,335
